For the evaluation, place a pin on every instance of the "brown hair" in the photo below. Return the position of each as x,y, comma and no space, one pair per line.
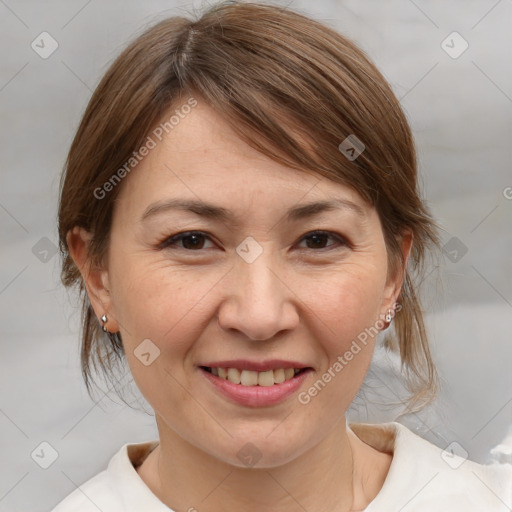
292,88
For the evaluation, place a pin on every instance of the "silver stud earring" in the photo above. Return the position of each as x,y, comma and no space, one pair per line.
104,320
389,316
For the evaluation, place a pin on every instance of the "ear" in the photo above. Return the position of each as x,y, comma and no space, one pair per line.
395,280
96,279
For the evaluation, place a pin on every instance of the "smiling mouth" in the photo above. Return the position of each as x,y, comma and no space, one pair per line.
253,378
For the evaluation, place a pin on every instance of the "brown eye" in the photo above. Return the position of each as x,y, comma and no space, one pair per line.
190,240
319,240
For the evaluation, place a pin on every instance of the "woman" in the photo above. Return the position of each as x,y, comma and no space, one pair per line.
240,208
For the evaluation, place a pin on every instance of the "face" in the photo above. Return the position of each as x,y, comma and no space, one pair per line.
248,272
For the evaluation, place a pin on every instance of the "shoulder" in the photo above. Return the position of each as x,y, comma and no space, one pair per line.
119,488
422,475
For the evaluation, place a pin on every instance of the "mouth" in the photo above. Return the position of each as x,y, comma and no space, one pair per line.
251,388
266,378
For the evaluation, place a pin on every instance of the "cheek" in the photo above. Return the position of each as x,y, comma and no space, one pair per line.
348,307
163,306
145,295
346,336
159,301
348,300
167,305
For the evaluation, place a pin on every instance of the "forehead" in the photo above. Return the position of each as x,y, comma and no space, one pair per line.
202,158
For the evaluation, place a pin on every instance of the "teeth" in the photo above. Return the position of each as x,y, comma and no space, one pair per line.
248,378
288,373
265,378
234,375
252,378
279,376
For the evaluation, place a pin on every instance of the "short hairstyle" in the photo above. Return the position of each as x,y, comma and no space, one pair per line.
292,88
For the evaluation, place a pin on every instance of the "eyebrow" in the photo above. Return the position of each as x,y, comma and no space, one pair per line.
218,213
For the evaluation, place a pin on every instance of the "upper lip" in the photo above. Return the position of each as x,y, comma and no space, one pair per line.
256,366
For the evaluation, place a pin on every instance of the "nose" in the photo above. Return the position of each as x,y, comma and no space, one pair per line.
259,302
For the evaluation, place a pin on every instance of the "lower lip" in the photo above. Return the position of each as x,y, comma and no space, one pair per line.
257,396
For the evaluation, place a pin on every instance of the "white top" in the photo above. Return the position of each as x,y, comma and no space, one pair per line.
421,478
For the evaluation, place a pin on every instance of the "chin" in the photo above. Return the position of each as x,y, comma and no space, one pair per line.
260,452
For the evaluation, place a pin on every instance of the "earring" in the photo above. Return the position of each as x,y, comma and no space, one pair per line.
389,316
104,320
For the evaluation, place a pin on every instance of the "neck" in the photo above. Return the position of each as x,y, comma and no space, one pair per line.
328,477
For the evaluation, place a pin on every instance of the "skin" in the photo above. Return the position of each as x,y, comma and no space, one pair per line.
302,299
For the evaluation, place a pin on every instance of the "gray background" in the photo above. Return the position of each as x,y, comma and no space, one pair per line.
461,113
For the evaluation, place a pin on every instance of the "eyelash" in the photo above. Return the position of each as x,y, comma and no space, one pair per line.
171,242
